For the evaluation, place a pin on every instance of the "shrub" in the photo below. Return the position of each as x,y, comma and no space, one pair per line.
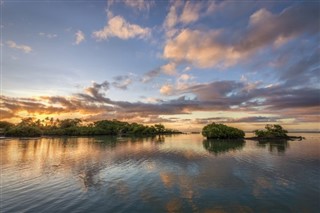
24,131
221,131
271,131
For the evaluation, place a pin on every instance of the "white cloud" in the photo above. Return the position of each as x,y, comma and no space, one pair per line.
185,77
172,18
166,89
259,17
190,13
14,45
169,69
200,48
139,4
118,27
80,37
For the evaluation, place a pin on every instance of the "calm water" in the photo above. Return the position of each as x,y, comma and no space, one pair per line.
182,173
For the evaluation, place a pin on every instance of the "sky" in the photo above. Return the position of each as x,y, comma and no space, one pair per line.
184,64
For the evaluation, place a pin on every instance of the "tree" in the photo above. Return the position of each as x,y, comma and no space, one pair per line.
5,125
24,131
221,131
271,131
66,123
160,128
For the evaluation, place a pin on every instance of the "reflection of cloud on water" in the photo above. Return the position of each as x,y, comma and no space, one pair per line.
260,185
174,205
128,168
167,179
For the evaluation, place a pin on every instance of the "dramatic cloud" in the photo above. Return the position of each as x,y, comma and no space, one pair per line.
226,96
96,92
22,47
117,26
202,49
79,36
265,28
205,48
207,61
304,71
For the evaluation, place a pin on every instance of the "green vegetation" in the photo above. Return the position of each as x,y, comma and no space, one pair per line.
221,131
272,131
24,131
30,127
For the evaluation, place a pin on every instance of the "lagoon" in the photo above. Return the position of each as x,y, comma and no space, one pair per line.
181,173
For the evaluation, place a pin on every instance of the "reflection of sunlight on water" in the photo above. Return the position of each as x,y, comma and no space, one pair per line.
174,205
173,174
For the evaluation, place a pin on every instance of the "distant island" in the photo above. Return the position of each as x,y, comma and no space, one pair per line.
29,127
273,132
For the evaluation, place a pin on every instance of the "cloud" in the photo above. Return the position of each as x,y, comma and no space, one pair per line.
303,71
166,89
48,35
96,92
222,48
181,12
122,81
191,12
139,4
185,77
22,47
169,69
80,37
281,101
202,49
251,119
265,28
147,77
172,17
117,26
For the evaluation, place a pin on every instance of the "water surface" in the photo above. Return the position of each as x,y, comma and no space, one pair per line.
183,173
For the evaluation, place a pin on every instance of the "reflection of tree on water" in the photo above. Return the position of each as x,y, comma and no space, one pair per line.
276,146
222,146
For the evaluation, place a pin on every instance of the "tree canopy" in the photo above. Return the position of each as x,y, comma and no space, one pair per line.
271,131
29,127
221,131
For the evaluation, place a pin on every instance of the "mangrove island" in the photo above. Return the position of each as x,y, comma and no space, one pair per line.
29,127
221,131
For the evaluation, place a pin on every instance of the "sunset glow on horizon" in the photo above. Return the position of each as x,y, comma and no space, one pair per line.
184,64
